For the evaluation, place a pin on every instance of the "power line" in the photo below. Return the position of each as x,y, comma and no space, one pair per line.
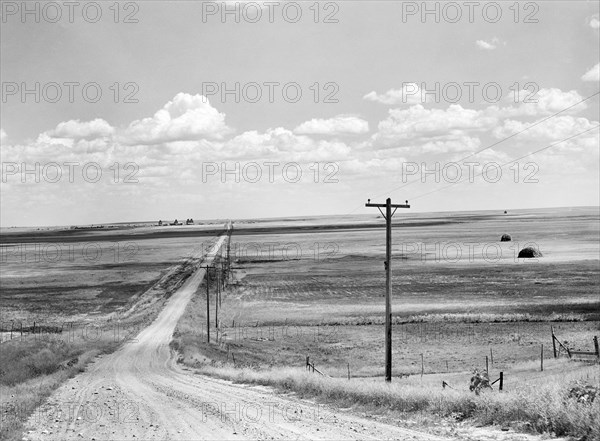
497,143
504,139
508,163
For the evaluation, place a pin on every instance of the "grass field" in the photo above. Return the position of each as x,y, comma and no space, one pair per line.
318,292
69,296
314,288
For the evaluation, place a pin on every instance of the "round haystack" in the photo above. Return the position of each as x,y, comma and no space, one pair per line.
529,252
505,238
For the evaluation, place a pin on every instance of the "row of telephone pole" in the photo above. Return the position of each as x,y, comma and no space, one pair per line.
225,274
222,271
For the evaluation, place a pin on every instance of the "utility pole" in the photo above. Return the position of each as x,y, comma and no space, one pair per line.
217,301
388,278
230,232
207,305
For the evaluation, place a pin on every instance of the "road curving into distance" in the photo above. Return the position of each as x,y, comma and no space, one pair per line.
140,393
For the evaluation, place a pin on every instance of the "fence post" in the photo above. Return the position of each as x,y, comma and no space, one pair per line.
492,356
542,358
501,380
422,366
348,371
553,341
307,363
596,346
486,365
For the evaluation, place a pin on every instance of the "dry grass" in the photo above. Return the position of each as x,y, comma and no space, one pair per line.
34,365
532,401
543,408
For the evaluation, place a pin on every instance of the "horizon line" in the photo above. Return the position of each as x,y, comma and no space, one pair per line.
297,216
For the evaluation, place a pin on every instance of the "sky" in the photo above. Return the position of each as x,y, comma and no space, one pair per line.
162,110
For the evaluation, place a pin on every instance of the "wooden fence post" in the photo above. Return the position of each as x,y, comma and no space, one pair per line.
501,381
492,356
486,365
553,341
596,346
348,371
542,358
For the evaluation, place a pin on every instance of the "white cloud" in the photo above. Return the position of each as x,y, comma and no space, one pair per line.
179,140
410,93
594,22
338,125
485,45
75,129
558,128
593,74
456,128
186,117
282,144
490,46
417,121
432,130
461,143
540,102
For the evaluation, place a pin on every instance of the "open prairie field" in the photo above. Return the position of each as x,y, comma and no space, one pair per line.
69,296
303,289
71,274
453,280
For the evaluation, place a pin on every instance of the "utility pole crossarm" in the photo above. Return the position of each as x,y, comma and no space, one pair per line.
391,205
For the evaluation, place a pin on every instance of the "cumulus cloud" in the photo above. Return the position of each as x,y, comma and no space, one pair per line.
339,125
283,144
560,127
75,129
417,121
594,22
541,102
460,143
185,117
593,74
409,93
491,45
433,130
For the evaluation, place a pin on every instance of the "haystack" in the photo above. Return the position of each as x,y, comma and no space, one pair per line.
505,238
529,252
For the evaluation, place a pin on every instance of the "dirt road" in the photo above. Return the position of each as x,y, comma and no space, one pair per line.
139,392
